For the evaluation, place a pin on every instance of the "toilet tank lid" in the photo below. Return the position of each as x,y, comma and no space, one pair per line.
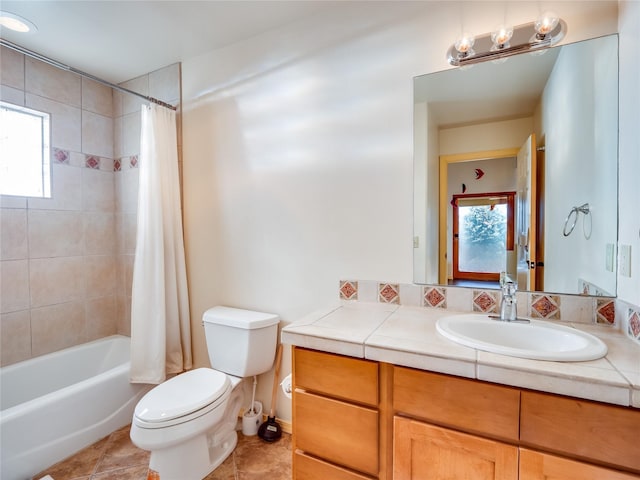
239,318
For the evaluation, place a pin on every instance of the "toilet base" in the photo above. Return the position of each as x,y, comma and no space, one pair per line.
195,458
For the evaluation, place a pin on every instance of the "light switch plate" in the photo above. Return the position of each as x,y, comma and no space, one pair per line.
610,256
624,258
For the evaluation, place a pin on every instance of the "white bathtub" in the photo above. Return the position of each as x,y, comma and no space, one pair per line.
56,404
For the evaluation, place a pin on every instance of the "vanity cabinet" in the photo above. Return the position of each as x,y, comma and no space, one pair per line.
335,417
488,431
356,419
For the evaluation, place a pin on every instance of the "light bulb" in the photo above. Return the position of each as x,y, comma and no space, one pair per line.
464,44
546,23
501,36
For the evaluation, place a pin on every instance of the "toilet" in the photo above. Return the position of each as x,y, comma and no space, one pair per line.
188,423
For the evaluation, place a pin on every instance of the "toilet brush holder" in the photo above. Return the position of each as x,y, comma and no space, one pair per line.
251,420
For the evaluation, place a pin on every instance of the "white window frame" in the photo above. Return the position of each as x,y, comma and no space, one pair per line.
25,157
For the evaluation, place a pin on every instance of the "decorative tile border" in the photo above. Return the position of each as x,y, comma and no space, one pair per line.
435,297
348,290
91,161
61,156
486,301
389,293
606,311
545,306
634,324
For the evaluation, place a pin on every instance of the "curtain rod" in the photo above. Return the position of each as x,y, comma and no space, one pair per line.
62,66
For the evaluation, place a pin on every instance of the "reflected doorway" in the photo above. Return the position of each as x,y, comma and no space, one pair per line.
483,232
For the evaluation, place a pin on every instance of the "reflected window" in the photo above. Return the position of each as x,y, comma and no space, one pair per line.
24,152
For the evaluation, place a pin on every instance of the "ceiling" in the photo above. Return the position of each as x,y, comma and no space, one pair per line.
119,40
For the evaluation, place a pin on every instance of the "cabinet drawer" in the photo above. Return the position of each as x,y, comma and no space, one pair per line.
477,407
336,431
589,430
542,466
309,468
336,376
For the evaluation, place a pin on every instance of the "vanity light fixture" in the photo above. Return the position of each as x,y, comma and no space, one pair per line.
16,23
505,41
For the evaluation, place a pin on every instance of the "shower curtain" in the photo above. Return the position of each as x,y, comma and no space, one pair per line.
160,325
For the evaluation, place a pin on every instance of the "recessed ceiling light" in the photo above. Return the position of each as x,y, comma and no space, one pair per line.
16,23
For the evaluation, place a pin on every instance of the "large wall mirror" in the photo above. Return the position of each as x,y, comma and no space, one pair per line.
516,171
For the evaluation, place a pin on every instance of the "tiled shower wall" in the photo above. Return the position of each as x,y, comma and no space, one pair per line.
65,271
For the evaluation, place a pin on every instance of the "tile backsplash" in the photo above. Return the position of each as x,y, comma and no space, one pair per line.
570,308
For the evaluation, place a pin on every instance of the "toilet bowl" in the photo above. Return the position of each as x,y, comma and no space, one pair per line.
188,423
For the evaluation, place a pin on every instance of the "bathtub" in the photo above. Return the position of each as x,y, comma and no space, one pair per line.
56,404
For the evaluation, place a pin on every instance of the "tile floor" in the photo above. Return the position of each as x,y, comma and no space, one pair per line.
116,458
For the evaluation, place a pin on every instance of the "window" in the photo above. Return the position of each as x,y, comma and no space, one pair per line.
24,152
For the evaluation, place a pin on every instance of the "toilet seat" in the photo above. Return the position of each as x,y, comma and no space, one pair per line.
182,398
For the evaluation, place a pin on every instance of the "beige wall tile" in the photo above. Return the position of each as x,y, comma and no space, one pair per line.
99,233
14,285
11,201
97,98
129,229
127,185
127,264
57,326
12,95
51,82
56,280
164,84
15,337
55,233
65,122
117,138
101,317
66,190
131,127
97,134
13,234
98,190
132,103
100,275
118,99
11,68
124,314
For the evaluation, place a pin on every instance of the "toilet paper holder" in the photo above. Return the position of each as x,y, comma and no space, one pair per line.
285,384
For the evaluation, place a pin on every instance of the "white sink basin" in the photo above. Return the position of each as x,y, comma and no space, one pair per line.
537,340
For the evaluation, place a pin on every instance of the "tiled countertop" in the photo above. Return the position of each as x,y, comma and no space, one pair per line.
407,336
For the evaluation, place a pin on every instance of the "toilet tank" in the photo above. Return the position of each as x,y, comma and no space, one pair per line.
240,342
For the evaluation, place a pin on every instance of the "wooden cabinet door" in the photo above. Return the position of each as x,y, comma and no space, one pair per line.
422,451
542,466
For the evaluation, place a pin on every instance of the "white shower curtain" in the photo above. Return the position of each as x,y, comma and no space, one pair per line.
160,325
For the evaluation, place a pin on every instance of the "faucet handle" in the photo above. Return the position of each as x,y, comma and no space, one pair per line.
509,288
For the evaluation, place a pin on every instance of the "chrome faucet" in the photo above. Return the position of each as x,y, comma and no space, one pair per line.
508,302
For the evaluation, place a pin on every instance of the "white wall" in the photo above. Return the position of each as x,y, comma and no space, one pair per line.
579,147
298,168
